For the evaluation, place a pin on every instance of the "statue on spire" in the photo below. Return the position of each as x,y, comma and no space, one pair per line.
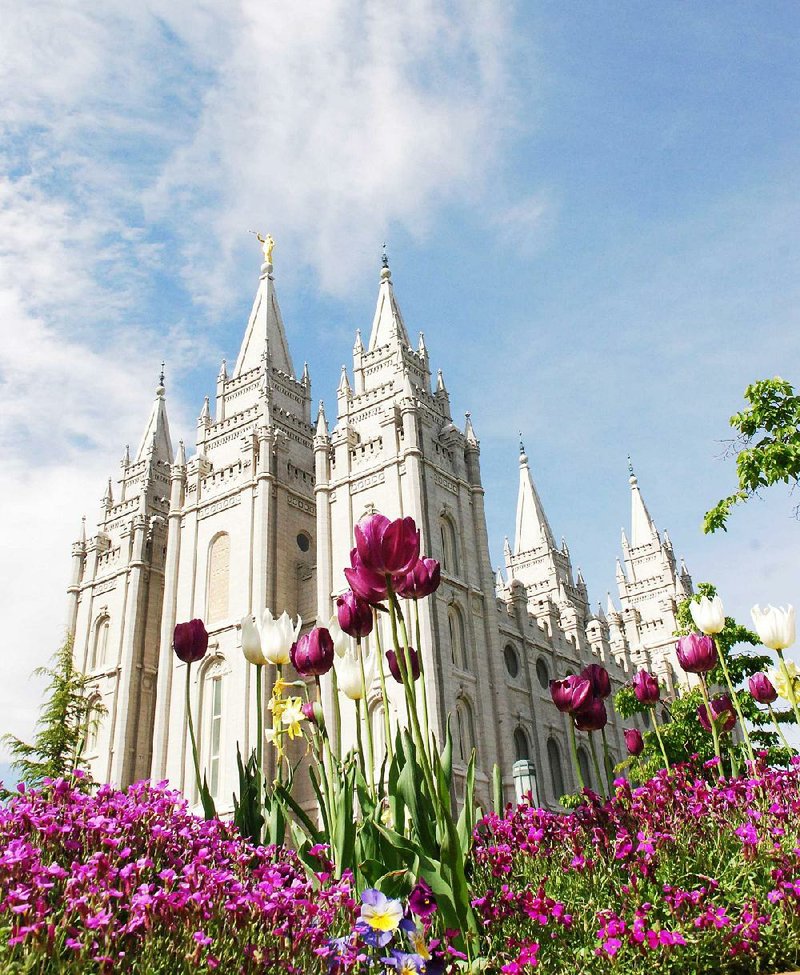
267,245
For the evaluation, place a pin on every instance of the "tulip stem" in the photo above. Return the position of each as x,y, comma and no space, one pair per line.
778,728
660,739
422,675
337,717
191,731
575,762
711,721
607,763
596,764
384,696
359,740
365,695
789,687
735,700
259,744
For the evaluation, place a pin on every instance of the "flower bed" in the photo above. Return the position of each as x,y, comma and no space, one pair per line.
679,875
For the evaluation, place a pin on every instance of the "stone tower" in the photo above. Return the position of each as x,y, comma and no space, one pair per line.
115,603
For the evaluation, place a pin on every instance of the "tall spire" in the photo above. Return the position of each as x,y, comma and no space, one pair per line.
642,527
388,325
533,527
156,439
265,331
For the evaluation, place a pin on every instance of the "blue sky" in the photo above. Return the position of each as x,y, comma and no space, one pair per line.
591,211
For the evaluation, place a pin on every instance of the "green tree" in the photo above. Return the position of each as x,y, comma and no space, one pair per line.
768,445
68,713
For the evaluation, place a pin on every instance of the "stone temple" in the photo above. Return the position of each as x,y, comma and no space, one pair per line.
261,514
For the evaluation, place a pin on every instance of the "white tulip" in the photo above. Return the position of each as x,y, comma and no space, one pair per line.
775,626
780,682
348,673
277,636
341,641
708,614
251,642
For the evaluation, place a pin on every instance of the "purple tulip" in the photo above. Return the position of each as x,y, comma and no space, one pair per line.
571,693
312,655
368,585
421,581
696,653
592,716
645,687
354,614
387,547
421,900
190,641
313,713
599,679
721,711
762,689
634,741
394,666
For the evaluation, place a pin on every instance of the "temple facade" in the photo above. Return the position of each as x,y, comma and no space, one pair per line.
261,514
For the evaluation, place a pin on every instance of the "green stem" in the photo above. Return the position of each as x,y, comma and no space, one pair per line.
359,742
607,763
384,696
789,687
575,762
596,765
778,728
422,674
735,700
365,693
712,722
191,731
658,735
337,717
259,741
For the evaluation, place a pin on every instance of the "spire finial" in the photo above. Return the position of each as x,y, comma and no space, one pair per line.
385,258
521,444
161,374
631,475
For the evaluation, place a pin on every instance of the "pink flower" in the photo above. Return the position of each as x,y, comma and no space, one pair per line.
645,687
634,741
421,900
762,689
387,547
354,614
368,585
313,653
571,693
721,711
696,653
421,581
394,666
599,679
190,641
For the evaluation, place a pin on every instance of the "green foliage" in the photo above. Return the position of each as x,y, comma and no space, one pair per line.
68,714
769,435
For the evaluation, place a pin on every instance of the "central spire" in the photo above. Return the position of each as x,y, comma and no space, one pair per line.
387,326
642,527
156,436
533,528
265,330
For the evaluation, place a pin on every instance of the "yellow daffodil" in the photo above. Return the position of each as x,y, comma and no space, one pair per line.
291,716
780,683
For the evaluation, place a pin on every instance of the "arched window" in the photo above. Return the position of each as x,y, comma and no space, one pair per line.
511,659
212,731
543,673
556,775
100,643
458,638
219,555
583,764
449,546
521,747
464,732
93,725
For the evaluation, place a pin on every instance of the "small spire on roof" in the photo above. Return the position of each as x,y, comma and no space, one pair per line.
344,382
358,345
223,369
180,460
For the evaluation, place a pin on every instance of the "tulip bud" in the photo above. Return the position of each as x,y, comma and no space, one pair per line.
368,585
721,712
775,626
394,666
387,547
762,689
592,716
421,581
708,614
571,693
312,710
277,636
645,687
696,653
599,679
190,641
354,614
312,655
634,741
251,642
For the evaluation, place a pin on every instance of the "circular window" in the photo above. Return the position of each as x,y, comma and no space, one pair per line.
303,542
542,673
512,661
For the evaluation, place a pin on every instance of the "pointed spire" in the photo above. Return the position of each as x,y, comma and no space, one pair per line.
642,527
580,580
82,536
358,345
108,497
506,548
344,383
532,525
126,457
306,380
422,349
469,430
205,413
600,614
322,422
223,370
387,325
180,460
619,574
611,609
156,441
265,331
440,386
499,583
564,546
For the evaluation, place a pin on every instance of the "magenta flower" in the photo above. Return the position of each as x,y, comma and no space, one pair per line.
571,693
368,585
592,716
190,641
421,900
599,679
421,581
762,689
394,666
634,741
387,547
645,687
696,653
721,711
354,614
312,655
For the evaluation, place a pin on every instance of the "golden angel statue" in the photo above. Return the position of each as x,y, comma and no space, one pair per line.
267,245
